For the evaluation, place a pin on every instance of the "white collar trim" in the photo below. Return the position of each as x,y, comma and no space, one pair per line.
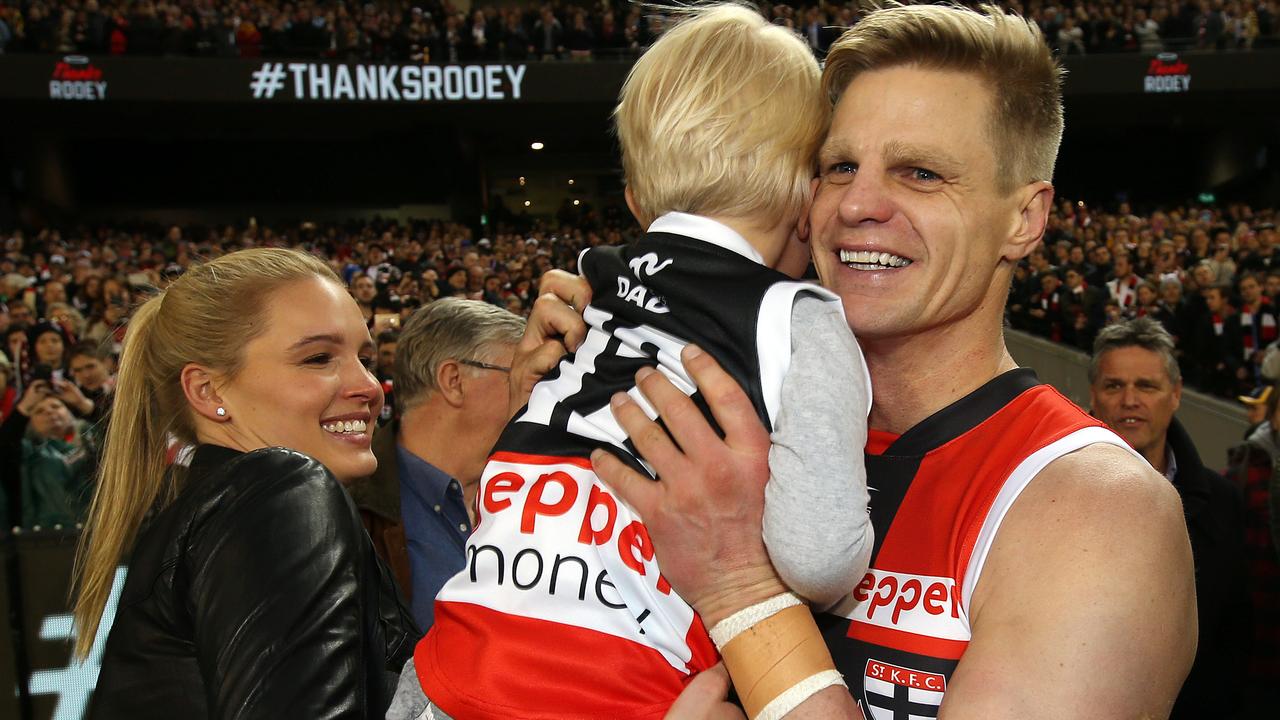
707,230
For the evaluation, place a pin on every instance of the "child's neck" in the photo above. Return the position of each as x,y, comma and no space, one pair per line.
769,239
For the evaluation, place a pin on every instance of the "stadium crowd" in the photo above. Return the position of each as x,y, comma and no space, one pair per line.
1210,276
437,31
65,299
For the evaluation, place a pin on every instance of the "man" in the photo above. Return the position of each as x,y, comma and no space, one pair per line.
1047,308
90,369
451,366
1135,388
1085,582
1083,310
1253,327
1216,343
1122,287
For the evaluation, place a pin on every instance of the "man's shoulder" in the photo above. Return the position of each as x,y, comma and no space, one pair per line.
1107,481
1087,501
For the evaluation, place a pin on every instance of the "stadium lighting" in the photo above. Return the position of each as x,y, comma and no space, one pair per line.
577,202
570,181
526,203
522,181
537,145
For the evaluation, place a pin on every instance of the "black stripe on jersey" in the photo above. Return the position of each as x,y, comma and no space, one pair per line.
964,414
889,479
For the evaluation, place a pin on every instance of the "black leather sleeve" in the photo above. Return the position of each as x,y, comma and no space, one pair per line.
274,584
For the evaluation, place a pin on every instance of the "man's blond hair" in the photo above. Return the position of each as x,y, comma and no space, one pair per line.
722,116
1006,51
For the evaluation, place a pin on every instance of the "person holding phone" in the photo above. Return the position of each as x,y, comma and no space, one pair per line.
55,454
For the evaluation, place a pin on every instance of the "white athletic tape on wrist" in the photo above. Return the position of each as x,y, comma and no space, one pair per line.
733,626
798,693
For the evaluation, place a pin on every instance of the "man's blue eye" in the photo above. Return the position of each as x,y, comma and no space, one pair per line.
924,175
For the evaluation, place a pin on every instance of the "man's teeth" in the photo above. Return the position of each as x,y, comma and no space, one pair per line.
346,426
872,260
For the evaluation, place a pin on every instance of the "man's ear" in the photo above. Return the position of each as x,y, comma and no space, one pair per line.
200,386
1034,202
634,207
449,382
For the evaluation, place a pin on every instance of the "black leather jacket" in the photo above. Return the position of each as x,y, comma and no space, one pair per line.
256,594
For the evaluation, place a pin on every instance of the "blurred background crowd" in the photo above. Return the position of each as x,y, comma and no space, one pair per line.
1210,275
438,31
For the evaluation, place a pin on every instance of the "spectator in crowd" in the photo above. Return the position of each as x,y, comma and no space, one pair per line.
1135,387
1123,285
55,455
1216,347
451,366
1254,467
90,369
439,32
48,345
1083,309
1255,408
8,393
1222,264
1255,325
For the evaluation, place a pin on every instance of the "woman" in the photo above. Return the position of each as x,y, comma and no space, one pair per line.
253,591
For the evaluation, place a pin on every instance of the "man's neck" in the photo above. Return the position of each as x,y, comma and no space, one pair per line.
425,431
1158,455
916,376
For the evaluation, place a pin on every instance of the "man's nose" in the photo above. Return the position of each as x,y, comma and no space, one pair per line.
866,198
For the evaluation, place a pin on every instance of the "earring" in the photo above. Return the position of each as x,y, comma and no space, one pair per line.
222,412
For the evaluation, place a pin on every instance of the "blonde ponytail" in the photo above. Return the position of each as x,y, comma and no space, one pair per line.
135,448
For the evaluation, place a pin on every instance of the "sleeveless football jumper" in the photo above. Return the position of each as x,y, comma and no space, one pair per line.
562,611
938,495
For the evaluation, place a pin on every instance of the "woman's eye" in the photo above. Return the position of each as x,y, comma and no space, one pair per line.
320,359
368,362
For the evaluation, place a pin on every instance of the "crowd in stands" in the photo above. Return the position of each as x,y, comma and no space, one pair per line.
437,31
66,295
1210,276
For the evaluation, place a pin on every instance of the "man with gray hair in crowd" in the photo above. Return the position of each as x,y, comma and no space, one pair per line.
1135,386
451,368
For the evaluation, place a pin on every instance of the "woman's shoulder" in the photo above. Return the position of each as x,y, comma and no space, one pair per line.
266,481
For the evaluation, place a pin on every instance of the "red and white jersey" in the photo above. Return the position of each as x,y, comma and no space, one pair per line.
938,495
561,611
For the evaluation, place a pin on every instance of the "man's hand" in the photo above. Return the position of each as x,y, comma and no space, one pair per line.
555,328
71,396
704,513
36,392
704,698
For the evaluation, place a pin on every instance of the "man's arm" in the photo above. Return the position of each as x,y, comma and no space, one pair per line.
1086,604
704,513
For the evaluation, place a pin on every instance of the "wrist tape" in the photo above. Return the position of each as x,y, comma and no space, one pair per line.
775,655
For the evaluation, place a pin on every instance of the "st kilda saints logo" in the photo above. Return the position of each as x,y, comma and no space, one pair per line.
1167,74
898,693
76,78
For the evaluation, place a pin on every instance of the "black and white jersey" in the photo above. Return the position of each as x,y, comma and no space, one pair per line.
649,300
562,610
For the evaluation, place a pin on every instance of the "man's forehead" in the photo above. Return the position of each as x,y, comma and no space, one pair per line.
1132,363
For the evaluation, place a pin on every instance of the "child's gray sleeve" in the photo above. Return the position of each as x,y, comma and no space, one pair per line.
816,525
